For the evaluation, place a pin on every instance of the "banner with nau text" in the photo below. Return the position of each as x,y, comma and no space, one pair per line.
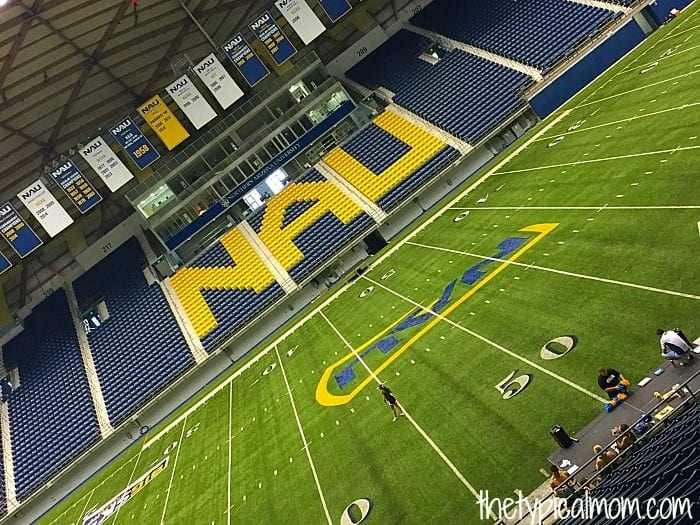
247,62
302,19
16,232
129,136
106,164
158,116
74,184
335,9
43,205
191,102
218,81
275,41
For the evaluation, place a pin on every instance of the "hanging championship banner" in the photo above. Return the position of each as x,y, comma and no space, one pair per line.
335,9
246,61
157,114
4,263
219,82
19,235
106,164
191,102
43,205
70,179
268,32
129,136
302,19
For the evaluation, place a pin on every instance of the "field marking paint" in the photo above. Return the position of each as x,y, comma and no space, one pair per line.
442,317
131,478
606,207
230,440
671,55
322,396
422,432
89,497
621,121
172,474
674,32
563,272
260,355
303,438
604,159
584,104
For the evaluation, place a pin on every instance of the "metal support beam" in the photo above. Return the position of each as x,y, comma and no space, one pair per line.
199,26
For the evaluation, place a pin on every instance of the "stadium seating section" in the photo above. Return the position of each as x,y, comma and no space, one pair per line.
52,418
390,159
139,349
536,33
224,288
309,222
463,94
665,465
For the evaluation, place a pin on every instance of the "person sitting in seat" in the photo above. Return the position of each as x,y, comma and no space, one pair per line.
556,482
623,440
603,459
614,384
674,347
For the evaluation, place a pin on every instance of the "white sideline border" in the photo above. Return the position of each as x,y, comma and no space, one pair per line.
270,347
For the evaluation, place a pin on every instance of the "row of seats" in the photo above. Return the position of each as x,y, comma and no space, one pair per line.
52,418
325,238
224,288
535,33
396,176
407,187
463,94
308,222
139,349
666,465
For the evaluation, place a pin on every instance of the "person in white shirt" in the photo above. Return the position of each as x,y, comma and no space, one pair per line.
674,347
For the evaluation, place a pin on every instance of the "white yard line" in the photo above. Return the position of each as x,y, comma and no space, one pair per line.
131,478
562,272
172,473
422,432
345,287
511,208
230,439
675,53
85,507
621,121
674,32
488,341
597,101
303,439
604,159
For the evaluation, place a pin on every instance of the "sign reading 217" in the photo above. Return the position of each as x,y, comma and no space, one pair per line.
345,379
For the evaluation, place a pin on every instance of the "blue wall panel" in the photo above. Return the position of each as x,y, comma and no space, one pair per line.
660,9
586,69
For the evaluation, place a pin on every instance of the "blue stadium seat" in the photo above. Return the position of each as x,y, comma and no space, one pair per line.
140,349
535,33
662,466
463,94
52,418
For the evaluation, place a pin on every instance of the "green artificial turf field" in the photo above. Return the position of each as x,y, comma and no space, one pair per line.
590,231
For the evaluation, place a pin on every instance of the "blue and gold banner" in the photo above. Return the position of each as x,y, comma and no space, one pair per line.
268,32
74,184
246,61
16,232
129,136
335,9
